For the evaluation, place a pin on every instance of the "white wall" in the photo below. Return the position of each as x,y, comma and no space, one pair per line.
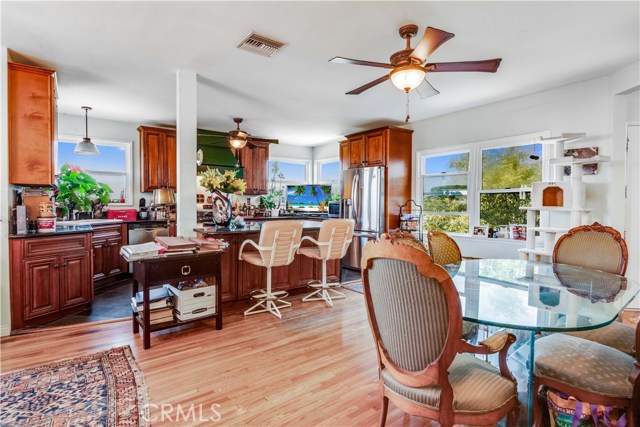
586,106
108,129
5,190
288,151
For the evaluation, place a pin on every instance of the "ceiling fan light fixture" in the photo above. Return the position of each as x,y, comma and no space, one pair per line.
407,77
238,138
237,142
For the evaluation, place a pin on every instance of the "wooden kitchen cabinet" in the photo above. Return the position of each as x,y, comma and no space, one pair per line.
253,158
106,243
158,167
390,147
51,277
32,123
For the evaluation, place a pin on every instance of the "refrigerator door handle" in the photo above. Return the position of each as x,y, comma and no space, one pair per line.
354,194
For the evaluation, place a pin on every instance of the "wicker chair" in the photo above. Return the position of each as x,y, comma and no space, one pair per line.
415,316
443,249
590,372
599,248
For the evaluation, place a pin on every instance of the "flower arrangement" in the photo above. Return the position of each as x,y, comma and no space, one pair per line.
79,190
227,182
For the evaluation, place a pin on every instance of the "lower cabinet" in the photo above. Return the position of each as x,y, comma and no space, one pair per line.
49,277
106,242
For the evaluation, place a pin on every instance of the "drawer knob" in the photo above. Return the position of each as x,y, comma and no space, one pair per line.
186,270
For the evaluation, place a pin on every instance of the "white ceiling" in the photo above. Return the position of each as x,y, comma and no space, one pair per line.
121,57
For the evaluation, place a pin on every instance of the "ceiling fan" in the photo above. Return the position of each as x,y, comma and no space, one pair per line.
237,137
408,67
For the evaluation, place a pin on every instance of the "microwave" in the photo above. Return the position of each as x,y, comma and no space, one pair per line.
334,209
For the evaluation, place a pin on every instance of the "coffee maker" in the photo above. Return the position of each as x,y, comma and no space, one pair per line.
143,212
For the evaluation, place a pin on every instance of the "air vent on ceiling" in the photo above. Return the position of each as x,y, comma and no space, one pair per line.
260,44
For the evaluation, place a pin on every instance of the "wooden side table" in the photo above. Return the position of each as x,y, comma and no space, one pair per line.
172,269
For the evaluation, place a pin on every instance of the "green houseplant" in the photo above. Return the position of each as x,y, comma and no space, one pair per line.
79,190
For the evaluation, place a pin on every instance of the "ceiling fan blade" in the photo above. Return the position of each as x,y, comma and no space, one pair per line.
425,90
430,41
486,66
368,86
341,60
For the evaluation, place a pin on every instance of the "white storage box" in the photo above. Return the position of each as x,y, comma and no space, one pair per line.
193,303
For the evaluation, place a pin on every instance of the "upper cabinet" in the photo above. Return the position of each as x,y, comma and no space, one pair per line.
157,158
366,149
32,123
253,158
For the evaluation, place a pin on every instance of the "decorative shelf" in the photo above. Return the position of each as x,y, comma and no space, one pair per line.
565,137
540,251
554,209
574,161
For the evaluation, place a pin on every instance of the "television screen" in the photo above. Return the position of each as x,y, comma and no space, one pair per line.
302,197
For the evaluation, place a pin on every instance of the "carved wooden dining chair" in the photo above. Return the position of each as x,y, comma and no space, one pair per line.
590,372
415,316
443,249
599,248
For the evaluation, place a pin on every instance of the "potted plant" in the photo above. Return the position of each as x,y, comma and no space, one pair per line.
222,185
77,190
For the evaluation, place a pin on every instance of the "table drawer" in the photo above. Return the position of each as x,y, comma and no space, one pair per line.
187,269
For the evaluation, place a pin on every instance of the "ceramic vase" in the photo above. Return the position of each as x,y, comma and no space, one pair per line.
221,206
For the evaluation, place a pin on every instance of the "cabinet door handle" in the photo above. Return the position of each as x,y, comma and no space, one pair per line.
65,264
56,266
185,270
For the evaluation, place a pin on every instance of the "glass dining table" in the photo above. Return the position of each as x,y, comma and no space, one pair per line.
538,298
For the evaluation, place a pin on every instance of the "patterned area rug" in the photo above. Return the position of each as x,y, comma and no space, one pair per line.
100,389
355,286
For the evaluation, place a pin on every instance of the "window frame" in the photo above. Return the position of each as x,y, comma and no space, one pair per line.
128,150
305,162
318,170
474,186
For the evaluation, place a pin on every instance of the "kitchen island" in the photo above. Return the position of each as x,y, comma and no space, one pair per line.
240,278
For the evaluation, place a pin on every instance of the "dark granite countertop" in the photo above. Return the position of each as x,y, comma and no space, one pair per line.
251,227
60,231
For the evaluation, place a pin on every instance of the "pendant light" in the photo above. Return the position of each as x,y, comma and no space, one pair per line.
86,146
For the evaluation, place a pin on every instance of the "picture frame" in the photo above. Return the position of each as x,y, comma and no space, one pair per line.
518,231
481,230
502,232
582,153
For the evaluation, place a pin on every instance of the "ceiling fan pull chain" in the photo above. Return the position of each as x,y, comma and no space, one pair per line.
406,120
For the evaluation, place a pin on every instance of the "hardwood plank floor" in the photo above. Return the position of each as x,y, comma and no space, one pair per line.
315,367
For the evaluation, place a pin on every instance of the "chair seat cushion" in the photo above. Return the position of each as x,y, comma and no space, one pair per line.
477,387
310,251
616,335
252,258
583,364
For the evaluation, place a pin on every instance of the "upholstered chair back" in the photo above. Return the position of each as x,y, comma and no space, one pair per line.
443,249
593,246
283,239
338,233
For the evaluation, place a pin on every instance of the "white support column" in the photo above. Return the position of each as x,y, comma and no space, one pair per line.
5,196
187,121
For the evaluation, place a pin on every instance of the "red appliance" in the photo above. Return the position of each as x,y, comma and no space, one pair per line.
123,214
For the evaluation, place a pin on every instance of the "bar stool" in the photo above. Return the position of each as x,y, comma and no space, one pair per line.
333,241
277,246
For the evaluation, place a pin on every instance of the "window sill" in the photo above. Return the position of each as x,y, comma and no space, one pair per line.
487,240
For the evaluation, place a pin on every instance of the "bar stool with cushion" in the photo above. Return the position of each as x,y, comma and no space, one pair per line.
276,247
333,241
599,248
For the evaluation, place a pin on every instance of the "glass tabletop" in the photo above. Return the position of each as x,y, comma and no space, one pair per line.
535,296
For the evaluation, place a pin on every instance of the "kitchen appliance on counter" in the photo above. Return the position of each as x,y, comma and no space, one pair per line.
143,212
363,200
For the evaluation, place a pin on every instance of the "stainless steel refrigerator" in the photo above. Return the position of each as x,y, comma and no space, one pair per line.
363,200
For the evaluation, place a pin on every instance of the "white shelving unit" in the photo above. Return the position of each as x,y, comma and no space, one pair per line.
573,203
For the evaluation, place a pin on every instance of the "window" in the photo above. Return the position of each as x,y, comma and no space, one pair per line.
507,175
292,171
112,166
483,183
328,171
444,192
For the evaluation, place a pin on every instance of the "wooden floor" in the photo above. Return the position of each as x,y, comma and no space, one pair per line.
315,367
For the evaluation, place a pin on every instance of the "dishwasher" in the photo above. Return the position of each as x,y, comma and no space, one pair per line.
145,232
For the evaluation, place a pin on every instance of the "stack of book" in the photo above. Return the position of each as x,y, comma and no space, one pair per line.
176,245
141,251
209,244
160,305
